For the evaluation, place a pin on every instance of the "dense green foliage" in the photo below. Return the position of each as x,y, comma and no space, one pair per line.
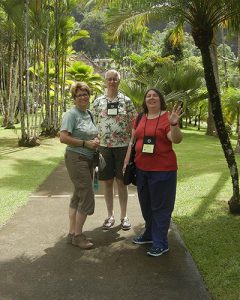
96,45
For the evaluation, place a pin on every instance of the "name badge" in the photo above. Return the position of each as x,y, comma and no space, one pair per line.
112,109
148,144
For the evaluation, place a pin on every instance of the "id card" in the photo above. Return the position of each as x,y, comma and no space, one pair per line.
112,109
148,144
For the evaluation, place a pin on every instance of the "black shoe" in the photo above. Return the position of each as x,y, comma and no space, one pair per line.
156,251
140,240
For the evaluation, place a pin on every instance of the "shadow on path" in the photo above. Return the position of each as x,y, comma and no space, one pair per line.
36,262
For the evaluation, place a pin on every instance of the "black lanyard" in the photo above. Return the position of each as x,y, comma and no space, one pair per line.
112,107
156,125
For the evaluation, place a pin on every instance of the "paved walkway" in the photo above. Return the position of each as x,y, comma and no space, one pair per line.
36,263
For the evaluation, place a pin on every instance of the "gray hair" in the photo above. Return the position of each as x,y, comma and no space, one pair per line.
115,72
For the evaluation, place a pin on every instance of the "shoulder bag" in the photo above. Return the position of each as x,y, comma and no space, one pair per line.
129,176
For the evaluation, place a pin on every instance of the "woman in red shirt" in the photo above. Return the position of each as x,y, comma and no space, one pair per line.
156,168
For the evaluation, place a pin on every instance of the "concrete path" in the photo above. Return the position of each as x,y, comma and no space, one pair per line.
36,263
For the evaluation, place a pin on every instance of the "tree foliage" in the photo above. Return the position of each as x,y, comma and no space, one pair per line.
204,17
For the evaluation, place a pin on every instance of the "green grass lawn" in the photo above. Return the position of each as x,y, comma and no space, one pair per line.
23,169
201,213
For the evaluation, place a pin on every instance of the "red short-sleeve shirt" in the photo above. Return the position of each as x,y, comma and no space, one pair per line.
163,158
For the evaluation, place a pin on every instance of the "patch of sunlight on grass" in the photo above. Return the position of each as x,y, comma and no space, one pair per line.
194,192
202,215
23,170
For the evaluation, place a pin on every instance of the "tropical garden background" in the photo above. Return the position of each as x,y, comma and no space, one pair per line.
190,50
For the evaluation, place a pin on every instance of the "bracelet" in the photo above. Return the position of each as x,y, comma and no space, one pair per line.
83,143
175,124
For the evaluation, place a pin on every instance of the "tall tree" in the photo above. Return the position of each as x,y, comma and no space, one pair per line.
204,17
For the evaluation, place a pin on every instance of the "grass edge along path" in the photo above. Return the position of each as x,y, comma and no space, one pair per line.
210,233
201,213
23,170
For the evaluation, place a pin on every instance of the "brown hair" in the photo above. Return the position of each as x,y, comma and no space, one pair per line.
162,101
82,86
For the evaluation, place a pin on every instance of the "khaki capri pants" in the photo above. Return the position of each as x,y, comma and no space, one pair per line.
80,170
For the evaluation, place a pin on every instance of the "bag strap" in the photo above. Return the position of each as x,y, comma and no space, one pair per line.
139,117
90,114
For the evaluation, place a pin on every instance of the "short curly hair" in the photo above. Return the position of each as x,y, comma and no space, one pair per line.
82,86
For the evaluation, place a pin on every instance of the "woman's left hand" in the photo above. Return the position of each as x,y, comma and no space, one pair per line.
92,144
175,115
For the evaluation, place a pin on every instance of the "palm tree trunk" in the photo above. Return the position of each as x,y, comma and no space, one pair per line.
234,202
211,129
63,104
56,79
38,90
46,116
14,92
6,120
2,88
26,63
21,102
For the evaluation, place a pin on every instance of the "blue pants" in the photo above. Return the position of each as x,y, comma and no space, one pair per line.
156,193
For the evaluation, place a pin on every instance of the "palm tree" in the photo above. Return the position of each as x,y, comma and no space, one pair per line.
79,71
204,17
9,60
18,13
203,33
35,35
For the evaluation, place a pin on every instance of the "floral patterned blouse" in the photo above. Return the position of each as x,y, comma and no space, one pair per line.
114,131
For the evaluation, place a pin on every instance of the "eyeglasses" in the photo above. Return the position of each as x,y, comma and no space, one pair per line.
82,95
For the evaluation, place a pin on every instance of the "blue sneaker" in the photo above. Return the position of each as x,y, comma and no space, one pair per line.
140,240
156,251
